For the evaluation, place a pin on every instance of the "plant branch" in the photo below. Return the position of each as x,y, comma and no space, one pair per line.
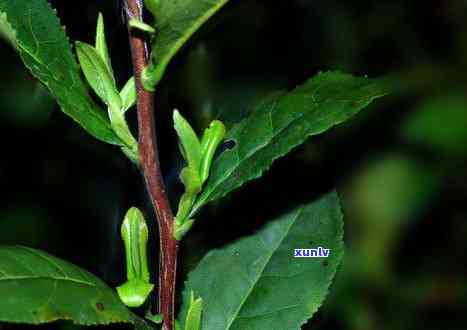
150,168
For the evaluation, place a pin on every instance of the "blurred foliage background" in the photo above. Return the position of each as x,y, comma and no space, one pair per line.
400,166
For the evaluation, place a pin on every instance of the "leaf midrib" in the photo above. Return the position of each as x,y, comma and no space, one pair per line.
54,278
206,198
25,50
113,139
292,222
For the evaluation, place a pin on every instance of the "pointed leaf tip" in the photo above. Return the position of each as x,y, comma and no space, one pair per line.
98,75
101,45
188,140
128,94
36,23
272,289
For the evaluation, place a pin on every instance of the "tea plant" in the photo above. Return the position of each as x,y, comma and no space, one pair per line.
253,283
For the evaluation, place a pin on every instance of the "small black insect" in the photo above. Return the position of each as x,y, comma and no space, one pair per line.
227,145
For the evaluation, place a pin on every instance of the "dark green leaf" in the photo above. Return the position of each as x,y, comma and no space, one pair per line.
256,283
36,288
285,121
45,50
176,21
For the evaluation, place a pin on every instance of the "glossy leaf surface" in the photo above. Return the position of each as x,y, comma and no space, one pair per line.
46,52
37,288
283,122
256,283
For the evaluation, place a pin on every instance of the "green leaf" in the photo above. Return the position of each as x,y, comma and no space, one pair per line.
45,50
193,317
128,94
176,22
256,283
188,140
212,137
135,292
152,6
6,31
37,288
281,123
120,127
191,180
139,25
182,227
134,231
98,75
101,45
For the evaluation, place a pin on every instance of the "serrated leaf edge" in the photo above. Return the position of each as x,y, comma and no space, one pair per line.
186,291
133,319
205,196
98,118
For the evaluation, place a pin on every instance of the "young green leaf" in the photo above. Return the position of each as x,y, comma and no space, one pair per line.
135,236
256,283
191,151
191,180
188,140
193,317
134,293
176,21
120,126
212,137
284,122
199,157
37,287
98,75
182,227
102,82
101,45
137,288
95,63
139,25
6,31
35,25
128,94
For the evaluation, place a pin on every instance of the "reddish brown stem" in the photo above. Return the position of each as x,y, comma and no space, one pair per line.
150,168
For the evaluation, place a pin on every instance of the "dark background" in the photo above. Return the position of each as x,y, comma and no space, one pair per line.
400,166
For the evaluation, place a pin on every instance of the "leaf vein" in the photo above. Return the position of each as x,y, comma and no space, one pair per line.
270,312
279,242
65,279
